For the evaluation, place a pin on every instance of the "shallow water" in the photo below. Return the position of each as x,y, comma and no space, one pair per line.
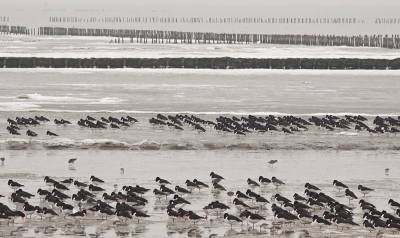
141,167
72,94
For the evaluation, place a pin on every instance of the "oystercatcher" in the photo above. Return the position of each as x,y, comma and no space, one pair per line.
277,182
194,217
31,134
339,185
14,185
364,190
78,215
254,218
350,195
215,178
162,181
200,184
95,180
252,184
264,181
51,134
232,220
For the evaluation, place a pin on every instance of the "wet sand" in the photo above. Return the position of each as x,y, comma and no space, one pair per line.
295,168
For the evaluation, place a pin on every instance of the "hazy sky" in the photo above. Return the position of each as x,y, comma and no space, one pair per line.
338,7
35,13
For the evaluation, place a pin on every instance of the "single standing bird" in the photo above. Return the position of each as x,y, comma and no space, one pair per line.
350,195
51,134
364,190
31,134
277,182
387,171
272,162
72,161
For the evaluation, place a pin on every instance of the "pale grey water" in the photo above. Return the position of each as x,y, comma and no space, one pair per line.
88,47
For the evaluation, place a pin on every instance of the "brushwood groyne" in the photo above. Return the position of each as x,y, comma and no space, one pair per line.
179,37
203,63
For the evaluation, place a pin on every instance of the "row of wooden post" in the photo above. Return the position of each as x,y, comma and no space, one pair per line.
176,37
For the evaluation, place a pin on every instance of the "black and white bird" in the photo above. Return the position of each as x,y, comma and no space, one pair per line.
181,191
393,204
166,190
95,189
368,226
276,182
254,218
80,185
232,220
192,185
215,178
285,216
364,190
299,198
319,221
314,204
200,184
312,188
174,215
261,201
343,223
339,185
242,197
264,181
252,184
28,209
218,187
31,134
67,182
194,217
49,213
60,186
350,195
161,181
14,185
65,208
78,215
51,134
159,194
96,181
240,205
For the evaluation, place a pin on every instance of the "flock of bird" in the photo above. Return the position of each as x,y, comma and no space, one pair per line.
89,122
226,125
286,124
312,208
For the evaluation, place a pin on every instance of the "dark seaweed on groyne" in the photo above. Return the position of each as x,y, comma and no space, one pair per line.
201,63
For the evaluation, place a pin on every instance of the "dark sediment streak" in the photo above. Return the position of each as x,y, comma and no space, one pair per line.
290,144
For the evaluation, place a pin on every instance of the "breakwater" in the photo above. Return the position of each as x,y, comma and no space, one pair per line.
202,63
